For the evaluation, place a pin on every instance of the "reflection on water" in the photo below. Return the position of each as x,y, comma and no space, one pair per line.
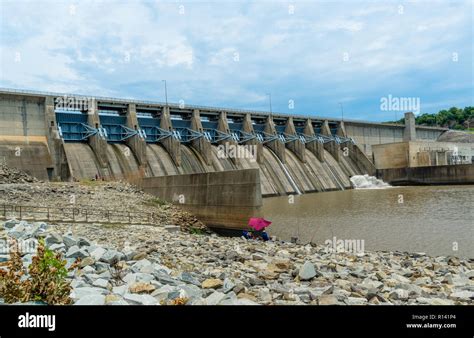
432,219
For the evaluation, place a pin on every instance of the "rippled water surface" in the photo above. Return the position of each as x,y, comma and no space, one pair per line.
431,219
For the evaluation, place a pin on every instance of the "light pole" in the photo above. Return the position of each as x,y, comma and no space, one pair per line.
342,111
270,97
166,93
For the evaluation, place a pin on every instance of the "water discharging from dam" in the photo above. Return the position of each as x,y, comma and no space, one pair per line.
277,178
368,182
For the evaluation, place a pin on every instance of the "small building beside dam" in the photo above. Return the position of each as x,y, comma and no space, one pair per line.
415,161
72,137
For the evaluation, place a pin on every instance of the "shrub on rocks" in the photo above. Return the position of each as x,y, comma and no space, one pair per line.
45,282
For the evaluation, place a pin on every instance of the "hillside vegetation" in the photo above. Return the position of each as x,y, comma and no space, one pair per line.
453,118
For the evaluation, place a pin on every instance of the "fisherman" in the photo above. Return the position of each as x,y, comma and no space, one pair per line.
258,232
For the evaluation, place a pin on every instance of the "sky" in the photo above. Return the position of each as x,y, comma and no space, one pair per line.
318,58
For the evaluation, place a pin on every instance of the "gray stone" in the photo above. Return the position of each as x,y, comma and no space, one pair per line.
69,241
130,278
101,283
76,283
238,288
161,268
78,293
399,294
118,302
70,262
189,278
307,271
91,277
434,301
462,295
42,225
53,238
17,231
256,281
83,242
228,285
105,275
33,230
97,253
91,299
371,284
165,279
75,252
172,228
356,301
238,301
58,247
214,298
101,266
129,254
141,264
10,224
120,290
143,277
87,261
191,291
111,256
88,269
140,299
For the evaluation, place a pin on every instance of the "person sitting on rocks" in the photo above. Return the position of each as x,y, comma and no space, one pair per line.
258,235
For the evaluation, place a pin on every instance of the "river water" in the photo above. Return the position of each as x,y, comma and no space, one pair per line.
437,220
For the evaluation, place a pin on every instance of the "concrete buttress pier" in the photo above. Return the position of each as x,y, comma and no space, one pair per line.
248,128
223,126
332,147
98,142
172,145
316,147
201,144
276,145
295,146
136,142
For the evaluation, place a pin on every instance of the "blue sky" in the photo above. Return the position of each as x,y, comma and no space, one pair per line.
316,54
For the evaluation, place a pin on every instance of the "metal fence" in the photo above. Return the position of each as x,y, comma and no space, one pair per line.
75,215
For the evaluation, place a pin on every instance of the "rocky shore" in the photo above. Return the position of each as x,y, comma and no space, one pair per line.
152,265
92,195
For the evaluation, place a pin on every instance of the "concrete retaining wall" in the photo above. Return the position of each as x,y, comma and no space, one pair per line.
446,174
225,199
29,154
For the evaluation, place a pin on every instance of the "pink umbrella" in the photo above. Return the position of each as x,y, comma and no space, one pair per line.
258,223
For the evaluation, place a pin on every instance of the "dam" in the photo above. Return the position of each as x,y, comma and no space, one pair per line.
72,137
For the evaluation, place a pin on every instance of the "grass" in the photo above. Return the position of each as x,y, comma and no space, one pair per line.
155,201
113,225
196,231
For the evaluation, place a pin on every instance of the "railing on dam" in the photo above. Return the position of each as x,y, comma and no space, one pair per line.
75,214
311,115
73,126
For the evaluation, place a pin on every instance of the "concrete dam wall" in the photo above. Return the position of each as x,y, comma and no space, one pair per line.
276,178
58,137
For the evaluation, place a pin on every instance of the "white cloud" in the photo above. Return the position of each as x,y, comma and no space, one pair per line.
115,47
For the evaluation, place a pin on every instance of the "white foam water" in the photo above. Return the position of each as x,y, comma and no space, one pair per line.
368,182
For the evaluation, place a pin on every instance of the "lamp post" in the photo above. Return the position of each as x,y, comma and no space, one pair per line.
342,111
270,100
166,93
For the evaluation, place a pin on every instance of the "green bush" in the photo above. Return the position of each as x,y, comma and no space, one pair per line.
46,282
